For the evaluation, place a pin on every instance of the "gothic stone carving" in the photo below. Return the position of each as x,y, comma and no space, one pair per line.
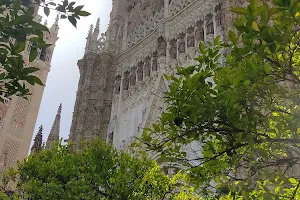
133,76
144,17
162,46
117,84
140,71
126,80
181,43
190,37
220,15
173,49
154,61
199,33
209,24
147,66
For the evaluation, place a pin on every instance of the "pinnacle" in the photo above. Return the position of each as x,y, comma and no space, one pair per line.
97,27
54,133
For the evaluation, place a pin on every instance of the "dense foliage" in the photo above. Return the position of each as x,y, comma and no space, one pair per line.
97,171
235,124
17,25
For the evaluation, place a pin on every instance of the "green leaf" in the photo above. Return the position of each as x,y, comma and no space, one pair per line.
232,37
217,40
293,181
29,70
20,47
38,26
73,21
201,47
32,80
83,13
255,26
71,4
46,11
33,54
254,4
65,3
78,8
52,3
240,11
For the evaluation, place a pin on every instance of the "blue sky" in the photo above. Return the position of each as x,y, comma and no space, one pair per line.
62,82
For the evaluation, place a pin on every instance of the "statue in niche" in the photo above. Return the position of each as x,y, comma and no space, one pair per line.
162,46
131,4
219,15
147,66
133,76
190,37
181,43
209,24
156,5
140,71
173,49
110,138
134,16
117,84
154,61
126,80
144,9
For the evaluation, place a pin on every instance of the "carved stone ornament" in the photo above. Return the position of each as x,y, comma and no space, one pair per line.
209,24
173,49
220,16
126,80
199,32
117,84
162,46
144,16
190,37
132,76
181,43
140,71
154,61
147,66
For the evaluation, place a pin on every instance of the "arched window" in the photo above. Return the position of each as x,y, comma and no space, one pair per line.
19,130
13,128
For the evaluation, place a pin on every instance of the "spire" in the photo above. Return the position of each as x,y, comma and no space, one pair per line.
54,133
38,140
97,28
88,40
94,42
90,31
92,39
55,27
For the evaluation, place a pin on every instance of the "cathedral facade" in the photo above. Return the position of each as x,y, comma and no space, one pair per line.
18,115
121,84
